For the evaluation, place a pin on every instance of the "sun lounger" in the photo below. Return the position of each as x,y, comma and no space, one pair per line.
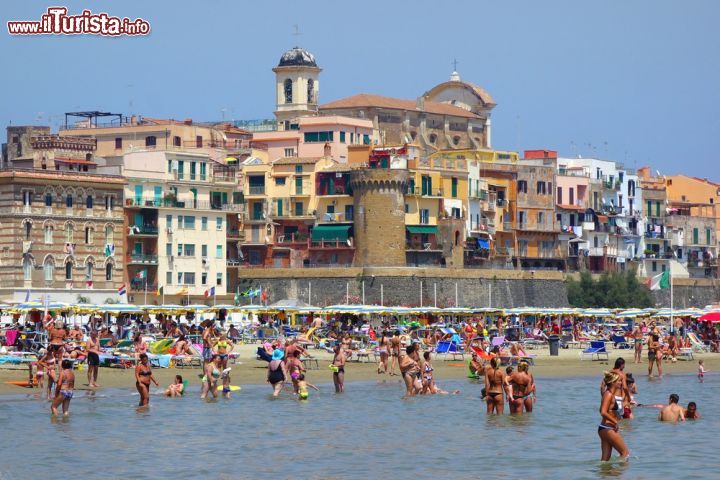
686,354
447,348
620,342
697,344
596,349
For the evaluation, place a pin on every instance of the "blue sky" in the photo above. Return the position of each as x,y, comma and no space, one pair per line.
635,81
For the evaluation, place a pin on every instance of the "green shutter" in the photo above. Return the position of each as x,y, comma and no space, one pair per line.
695,236
454,186
657,209
707,236
649,208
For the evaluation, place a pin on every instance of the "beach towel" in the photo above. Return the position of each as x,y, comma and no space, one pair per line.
10,337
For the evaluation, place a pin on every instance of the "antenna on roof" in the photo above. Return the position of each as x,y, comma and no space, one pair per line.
296,33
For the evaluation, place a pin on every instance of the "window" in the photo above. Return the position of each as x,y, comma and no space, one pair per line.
89,202
189,249
189,278
424,216
657,208
49,270
311,90
168,249
180,278
631,188
180,249
204,223
315,137
189,223
27,197
298,168
109,235
219,223
289,152
28,228
168,278
68,271
48,234
204,251
27,268
176,141
109,202
150,141
203,171
522,186
455,212
342,137
118,143
108,271
541,188
696,234
366,139
288,90
407,208
559,195
549,189
453,187
48,199
426,185
218,281
203,278
69,233
572,196
198,141
596,243
298,185
349,213
649,208
279,181
541,218
89,271
88,236
218,251
298,209
707,236
69,200
654,266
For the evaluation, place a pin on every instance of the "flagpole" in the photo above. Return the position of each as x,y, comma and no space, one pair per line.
163,295
672,323
145,302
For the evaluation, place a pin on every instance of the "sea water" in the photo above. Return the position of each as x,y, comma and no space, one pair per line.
370,431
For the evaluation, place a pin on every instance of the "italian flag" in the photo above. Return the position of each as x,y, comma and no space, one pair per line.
659,282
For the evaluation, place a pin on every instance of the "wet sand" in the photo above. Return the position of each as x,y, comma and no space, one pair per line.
248,370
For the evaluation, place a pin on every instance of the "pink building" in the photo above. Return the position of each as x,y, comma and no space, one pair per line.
317,137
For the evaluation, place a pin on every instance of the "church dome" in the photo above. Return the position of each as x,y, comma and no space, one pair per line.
297,57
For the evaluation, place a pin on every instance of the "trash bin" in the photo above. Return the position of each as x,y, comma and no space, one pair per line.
554,342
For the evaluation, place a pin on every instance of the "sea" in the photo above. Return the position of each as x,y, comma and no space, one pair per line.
368,432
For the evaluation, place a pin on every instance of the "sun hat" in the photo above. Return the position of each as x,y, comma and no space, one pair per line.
278,354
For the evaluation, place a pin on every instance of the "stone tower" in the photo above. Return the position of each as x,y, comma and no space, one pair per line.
296,87
379,198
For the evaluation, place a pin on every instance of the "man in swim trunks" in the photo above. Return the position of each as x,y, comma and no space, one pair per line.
672,412
208,338
93,358
338,368
637,336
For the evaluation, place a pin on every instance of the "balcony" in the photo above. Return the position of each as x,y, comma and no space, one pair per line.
256,190
143,231
143,259
189,177
234,233
292,239
419,191
172,202
333,218
655,235
507,226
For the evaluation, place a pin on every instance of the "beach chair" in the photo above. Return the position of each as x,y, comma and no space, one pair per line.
567,341
697,344
596,349
686,354
498,341
619,342
447,348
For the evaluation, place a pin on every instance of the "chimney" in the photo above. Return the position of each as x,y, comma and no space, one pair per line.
421,103
133,119
188,121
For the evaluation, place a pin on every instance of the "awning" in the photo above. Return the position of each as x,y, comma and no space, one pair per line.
330,233
602,218
482,243
422,229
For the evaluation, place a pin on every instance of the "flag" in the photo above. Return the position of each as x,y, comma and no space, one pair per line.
27,296
210,293
122,293
89,283
159,291
183,291
237,297
659,282
141,274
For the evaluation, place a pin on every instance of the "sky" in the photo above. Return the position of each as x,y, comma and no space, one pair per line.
635,81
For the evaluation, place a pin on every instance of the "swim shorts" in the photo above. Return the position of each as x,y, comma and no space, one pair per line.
93,359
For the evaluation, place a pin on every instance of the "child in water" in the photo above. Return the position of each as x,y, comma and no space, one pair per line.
64,389
701,370
303,387
177,388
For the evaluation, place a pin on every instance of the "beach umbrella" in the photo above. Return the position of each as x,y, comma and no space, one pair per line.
217,308
597,312
712,317
117,308
632,313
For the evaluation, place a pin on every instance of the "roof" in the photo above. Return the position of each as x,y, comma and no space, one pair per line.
570,207
339,167
297,57
479,91
295,160
75,161
378,101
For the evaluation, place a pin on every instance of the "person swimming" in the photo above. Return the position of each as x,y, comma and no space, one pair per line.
177,388
691,412
672,412
303,387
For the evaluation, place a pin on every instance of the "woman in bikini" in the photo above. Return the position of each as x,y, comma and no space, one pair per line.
384,353
49,360
608,432
394,351
522,386
139,346
64,389
222,349
494,388
213,371
410,369
654,354
143,377
57,335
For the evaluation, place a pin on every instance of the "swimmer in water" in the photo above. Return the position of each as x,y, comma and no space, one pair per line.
177,389
691,412
64,388
701,370
608,432
522,389
143,377
303,387
672,412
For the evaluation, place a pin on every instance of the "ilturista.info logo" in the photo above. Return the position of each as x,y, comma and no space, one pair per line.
56,21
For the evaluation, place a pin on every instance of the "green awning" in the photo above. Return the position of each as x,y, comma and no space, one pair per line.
422,229
330,233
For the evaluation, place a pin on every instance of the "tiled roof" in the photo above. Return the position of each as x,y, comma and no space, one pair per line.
369,100
295,160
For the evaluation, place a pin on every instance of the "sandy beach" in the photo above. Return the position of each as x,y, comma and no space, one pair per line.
248,370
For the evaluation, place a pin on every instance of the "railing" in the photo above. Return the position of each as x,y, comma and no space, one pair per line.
235,233
256,190
59,211
141,287
168,202
134,258
424,192
332,217
507,226
654,234
143,230
292,238
596,251
333,244
60,173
